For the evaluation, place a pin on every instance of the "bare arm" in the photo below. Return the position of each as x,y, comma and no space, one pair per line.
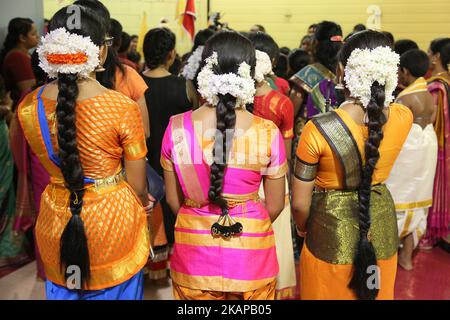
136,177
144,113
297,98
301,201
192,94
174,194
275,189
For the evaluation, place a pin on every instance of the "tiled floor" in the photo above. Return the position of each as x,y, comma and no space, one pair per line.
430,279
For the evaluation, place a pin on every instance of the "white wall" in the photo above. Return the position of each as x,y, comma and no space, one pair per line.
9,9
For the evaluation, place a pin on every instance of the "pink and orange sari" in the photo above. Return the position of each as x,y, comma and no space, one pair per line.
439,214
200,261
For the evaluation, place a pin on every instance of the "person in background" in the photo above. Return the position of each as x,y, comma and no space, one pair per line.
176,67
15,61
285,50
339,201
312,29
403,45
212,183
124,50
166,97
272,105
306,44
439,87
282,66
297,60
412,177
257,28
359,27
133,55
390,37
265,43
113,74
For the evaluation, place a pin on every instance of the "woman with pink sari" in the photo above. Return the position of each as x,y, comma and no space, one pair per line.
214,160
439,87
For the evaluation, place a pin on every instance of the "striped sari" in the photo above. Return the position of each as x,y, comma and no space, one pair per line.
242,264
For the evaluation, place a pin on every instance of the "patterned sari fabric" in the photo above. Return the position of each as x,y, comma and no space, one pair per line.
116,225
12,243
201,261
439,214
330,153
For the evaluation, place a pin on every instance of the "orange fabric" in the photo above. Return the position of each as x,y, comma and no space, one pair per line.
279,109
114,219
130,84
320,280
267,292
157,224
313,148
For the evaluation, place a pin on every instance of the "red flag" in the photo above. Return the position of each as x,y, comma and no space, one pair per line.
189,18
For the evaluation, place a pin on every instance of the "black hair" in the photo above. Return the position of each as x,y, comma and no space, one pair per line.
416,62
260,28
115,31
134,56
282,66
201,37
232,49
305,37
99,8
442,46
134,37
17,27
403,45
365,253
285,50
298,59
125,43
39,74
175,68
359,27
2,89
74,247
158,44
265,43
325,51
390,37
314,25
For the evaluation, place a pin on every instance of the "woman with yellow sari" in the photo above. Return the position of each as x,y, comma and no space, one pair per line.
439,86
340,203
92,229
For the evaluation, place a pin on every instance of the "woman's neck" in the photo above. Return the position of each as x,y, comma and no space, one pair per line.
21,48
159,72
262,88
438,70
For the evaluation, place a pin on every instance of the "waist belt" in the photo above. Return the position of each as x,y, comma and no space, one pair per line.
98,184
230,202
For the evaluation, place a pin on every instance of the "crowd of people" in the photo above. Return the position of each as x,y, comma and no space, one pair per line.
333,156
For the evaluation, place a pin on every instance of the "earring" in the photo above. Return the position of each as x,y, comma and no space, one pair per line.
99,68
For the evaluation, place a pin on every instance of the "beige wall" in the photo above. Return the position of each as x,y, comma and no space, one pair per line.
287,20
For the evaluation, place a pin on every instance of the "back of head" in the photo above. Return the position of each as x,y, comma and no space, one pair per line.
17,27
201,37
403,45
442,46
380,65
390,37
233,52
100,10
298,59
125,43
265,43
416,62
74,248
359,27
116,31
329,41
158,44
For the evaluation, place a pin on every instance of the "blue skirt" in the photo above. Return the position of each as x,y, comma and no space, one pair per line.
132,289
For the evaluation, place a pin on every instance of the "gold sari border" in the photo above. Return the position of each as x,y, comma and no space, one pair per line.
414,205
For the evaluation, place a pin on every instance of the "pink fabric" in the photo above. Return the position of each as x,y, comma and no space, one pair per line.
255,235
439,214
229,263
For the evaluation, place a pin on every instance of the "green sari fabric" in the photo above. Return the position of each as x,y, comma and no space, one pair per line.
12,244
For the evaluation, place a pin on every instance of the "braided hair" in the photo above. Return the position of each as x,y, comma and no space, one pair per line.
232,49
365,253
73,244
158,44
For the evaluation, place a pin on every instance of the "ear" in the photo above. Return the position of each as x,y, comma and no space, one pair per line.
22,38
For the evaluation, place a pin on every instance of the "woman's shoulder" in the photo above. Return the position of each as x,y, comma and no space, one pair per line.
264,124
15,55
401,113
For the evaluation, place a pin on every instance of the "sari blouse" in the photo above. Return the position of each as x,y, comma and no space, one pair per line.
108,129
244,262
317,160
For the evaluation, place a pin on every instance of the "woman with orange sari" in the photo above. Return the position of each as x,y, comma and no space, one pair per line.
438,223
92,227
214,160
340,203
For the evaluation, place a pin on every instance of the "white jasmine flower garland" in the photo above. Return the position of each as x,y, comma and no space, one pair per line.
65,45
365,66
190,69
263,65
241,85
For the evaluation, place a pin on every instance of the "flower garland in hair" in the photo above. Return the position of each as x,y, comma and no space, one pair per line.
63,52
263,65
365,66
190,69
240,85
